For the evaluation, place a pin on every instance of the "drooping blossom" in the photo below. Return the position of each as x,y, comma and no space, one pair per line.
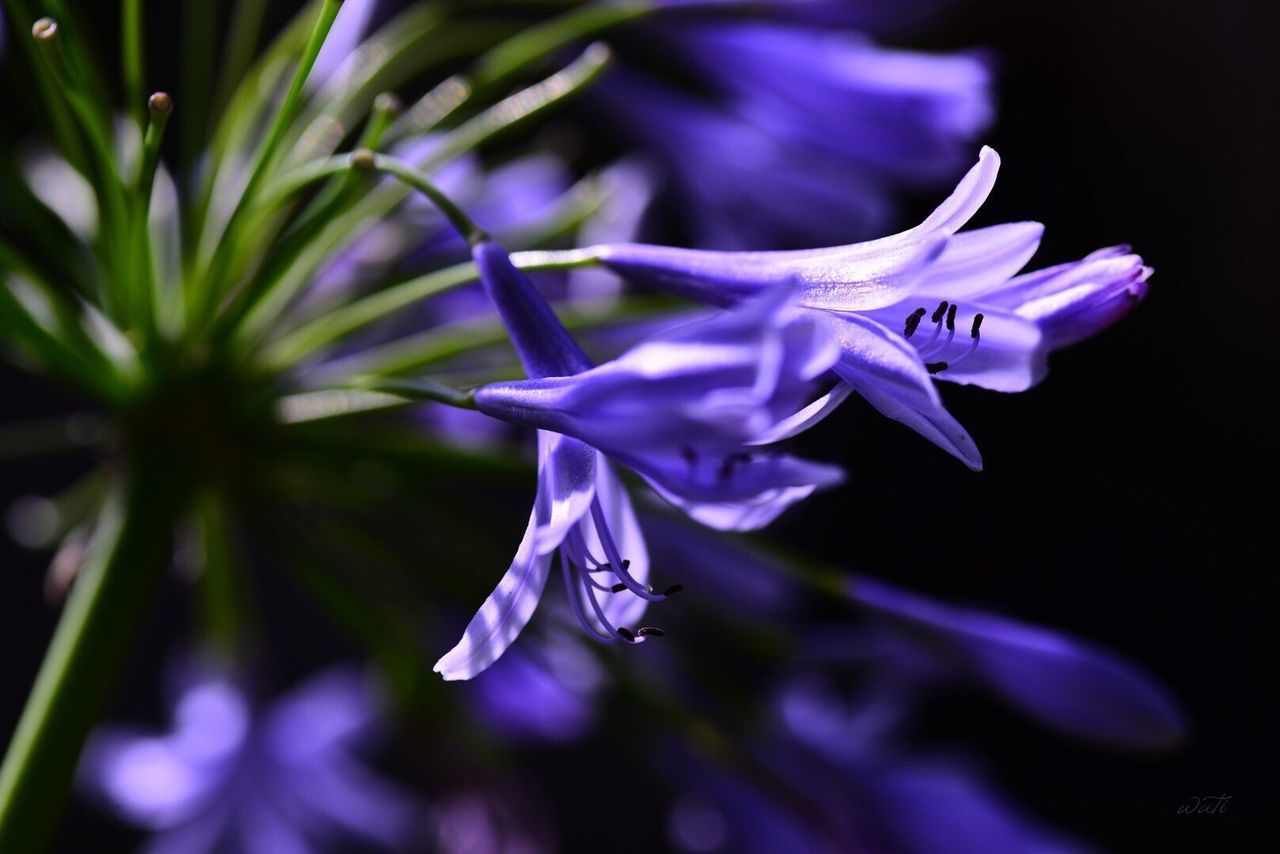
910,116
815,155
1071,685
923,305
229,776
678,409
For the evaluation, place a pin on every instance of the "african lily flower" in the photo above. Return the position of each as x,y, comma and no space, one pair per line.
679,410
922,305
229,777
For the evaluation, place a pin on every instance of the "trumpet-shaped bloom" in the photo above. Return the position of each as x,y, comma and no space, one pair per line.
910,115
284,781
923,305
678,409
1070,685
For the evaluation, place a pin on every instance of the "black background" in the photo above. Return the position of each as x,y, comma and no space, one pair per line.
1129,499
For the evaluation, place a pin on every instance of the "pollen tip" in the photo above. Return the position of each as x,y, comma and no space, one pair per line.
935,367
650,631
977,325
618,588
160,103
626,634
388,102
951,317
939,311
673,590
45,29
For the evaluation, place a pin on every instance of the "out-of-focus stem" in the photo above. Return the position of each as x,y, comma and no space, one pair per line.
126,561
131,48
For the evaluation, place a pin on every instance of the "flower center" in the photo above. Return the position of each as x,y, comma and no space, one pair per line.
943,316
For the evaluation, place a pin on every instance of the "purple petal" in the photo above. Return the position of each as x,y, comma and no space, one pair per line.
1067,684
503,615
544,347
566,487
889,374
975,262
857,277
325,714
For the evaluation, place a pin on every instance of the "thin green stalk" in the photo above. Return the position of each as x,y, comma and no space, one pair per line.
242,42
360,314
146,296
211,290
103,173
199,26
126,561
131,59
411,177
540,42
262,307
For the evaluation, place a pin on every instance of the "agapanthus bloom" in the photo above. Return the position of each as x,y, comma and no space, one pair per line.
923,305
283,780
812,155
680,410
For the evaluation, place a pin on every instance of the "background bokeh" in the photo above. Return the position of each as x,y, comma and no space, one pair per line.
1129,499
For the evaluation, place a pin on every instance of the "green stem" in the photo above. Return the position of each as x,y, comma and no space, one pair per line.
211,289
411,177
126,561
351,318
131,47
246,26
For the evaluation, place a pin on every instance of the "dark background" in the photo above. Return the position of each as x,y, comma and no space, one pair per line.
1127,500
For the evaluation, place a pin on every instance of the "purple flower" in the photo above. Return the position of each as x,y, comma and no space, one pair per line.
743,184
678,409
912,116
544,690
1068,684
920,305
226,776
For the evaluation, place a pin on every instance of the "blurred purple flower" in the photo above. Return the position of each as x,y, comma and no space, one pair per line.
920,305
804,134
678,409
912,116
870,15
744,185
1068,684
280,781
544,690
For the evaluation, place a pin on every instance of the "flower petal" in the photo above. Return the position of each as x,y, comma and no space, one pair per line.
888,373
977,261
566,486
503,615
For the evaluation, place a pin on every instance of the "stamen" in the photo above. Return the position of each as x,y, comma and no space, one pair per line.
936,317
618,588
673,590
650,631
976,335
626,634
935,367
913,321
618,565
690,456
574,590
951,317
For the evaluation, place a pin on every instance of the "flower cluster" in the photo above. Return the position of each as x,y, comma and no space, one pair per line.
303,343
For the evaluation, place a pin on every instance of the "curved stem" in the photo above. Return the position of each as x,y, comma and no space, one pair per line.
126,561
